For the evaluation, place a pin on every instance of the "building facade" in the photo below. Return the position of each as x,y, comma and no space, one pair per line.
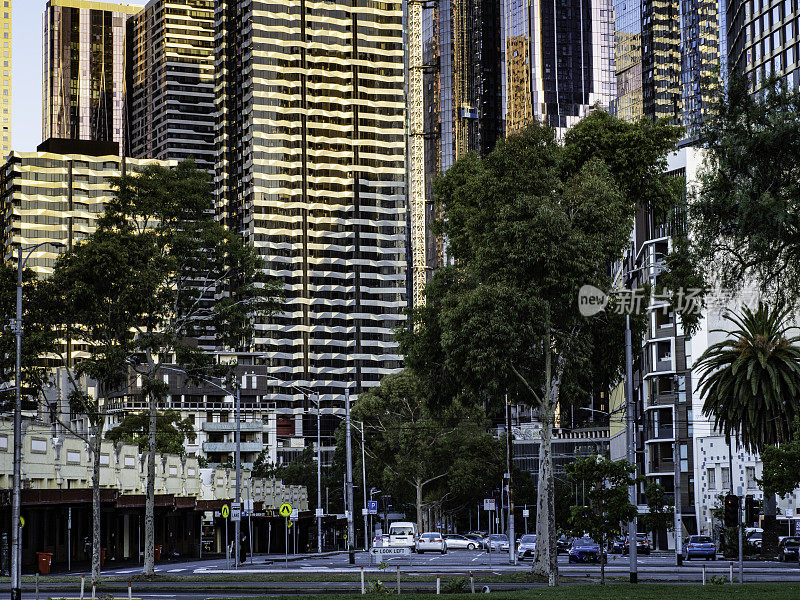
171,81
5,22
84,70
310,170
763,40
667,60
557,61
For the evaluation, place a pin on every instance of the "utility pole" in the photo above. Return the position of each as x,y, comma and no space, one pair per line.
676,459
16,494
319,481
349,480
364,485
512,549
237,524
631,433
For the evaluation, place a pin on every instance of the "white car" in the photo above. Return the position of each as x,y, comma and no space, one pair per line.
402,534
455,541
497,542
431,541
526,546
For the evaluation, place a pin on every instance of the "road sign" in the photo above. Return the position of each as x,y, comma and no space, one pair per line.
526,513
390,551
294,515
226,512
364,512
489,504
372,506
22,521
236,511
320,512
285,509
797,527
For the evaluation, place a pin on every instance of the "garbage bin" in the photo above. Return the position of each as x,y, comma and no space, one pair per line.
44,560
102,556
157,552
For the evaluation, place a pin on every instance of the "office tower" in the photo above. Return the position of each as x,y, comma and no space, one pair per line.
763,40
667,60
171,81
84,70
5,19
56,194
557,61
310,169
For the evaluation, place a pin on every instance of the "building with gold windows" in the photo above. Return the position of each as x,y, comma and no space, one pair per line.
5,20
84,70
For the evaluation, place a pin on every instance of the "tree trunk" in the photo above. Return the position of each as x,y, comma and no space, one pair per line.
149,513
97,441
769,539
418,486
602,560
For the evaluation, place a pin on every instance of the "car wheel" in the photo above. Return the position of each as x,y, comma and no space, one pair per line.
470,546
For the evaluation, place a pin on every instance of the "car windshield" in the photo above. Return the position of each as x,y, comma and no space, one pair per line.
792,540
528,539
498,537
700,539
755,536
430,536
401,531
585,542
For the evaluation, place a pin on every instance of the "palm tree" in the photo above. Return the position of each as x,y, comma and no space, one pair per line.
751,385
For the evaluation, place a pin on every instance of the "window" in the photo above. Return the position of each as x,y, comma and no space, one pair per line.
105,459
3,442
711,477
39,446
750,476
73,457
130,461
726,478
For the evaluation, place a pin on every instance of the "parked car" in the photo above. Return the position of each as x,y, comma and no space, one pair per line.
478,538
403,534
584,549
526,546
699,546
497,542
563,544
456,541
380,541
617,545
754,540
431,541
788,548
642,544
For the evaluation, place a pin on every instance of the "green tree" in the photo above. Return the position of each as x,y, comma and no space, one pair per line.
171,431
606,504
781,466
527,227
751,385
141,290
660,509
746,217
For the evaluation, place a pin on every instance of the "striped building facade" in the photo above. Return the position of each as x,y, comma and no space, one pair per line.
310,169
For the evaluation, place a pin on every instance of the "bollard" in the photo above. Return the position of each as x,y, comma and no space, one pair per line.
730,576
471,582
129,591
83,584
398,579
37,585
704,574
94,586
363,589
438,584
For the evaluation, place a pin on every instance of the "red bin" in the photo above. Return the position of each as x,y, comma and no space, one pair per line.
157,552
44,560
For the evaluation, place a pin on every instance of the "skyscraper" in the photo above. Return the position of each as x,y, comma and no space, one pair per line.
557,61
84,70
310,169
763,40
171,81
5,20
667,60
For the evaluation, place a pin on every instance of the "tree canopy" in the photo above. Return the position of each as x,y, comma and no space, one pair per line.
171,431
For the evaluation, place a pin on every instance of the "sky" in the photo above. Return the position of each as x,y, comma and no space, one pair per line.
26,83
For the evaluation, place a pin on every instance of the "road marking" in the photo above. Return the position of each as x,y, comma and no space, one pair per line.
478,557
126,571
175,570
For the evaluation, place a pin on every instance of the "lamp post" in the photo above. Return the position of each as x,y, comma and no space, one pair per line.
16,495
349,481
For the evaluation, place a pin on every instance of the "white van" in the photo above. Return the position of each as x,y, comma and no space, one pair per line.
403,534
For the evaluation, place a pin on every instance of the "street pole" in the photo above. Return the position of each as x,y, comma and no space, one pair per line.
250,516
319,481
16,500
364,484
349,480
630,430
676,459
512,549
741,538
237,524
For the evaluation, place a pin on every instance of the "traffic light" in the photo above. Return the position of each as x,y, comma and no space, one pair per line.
752,510
731,510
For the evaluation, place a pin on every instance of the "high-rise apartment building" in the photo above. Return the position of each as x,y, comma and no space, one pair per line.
5,21
84,70
171,81
763,40
667,60
310,169
557,61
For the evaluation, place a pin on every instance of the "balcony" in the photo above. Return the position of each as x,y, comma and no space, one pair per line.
230,426
231,447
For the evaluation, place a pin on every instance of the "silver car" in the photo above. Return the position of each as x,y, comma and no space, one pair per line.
455,541
497,542
431,541
526,546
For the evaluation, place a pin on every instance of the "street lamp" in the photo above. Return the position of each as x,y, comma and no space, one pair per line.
16,499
